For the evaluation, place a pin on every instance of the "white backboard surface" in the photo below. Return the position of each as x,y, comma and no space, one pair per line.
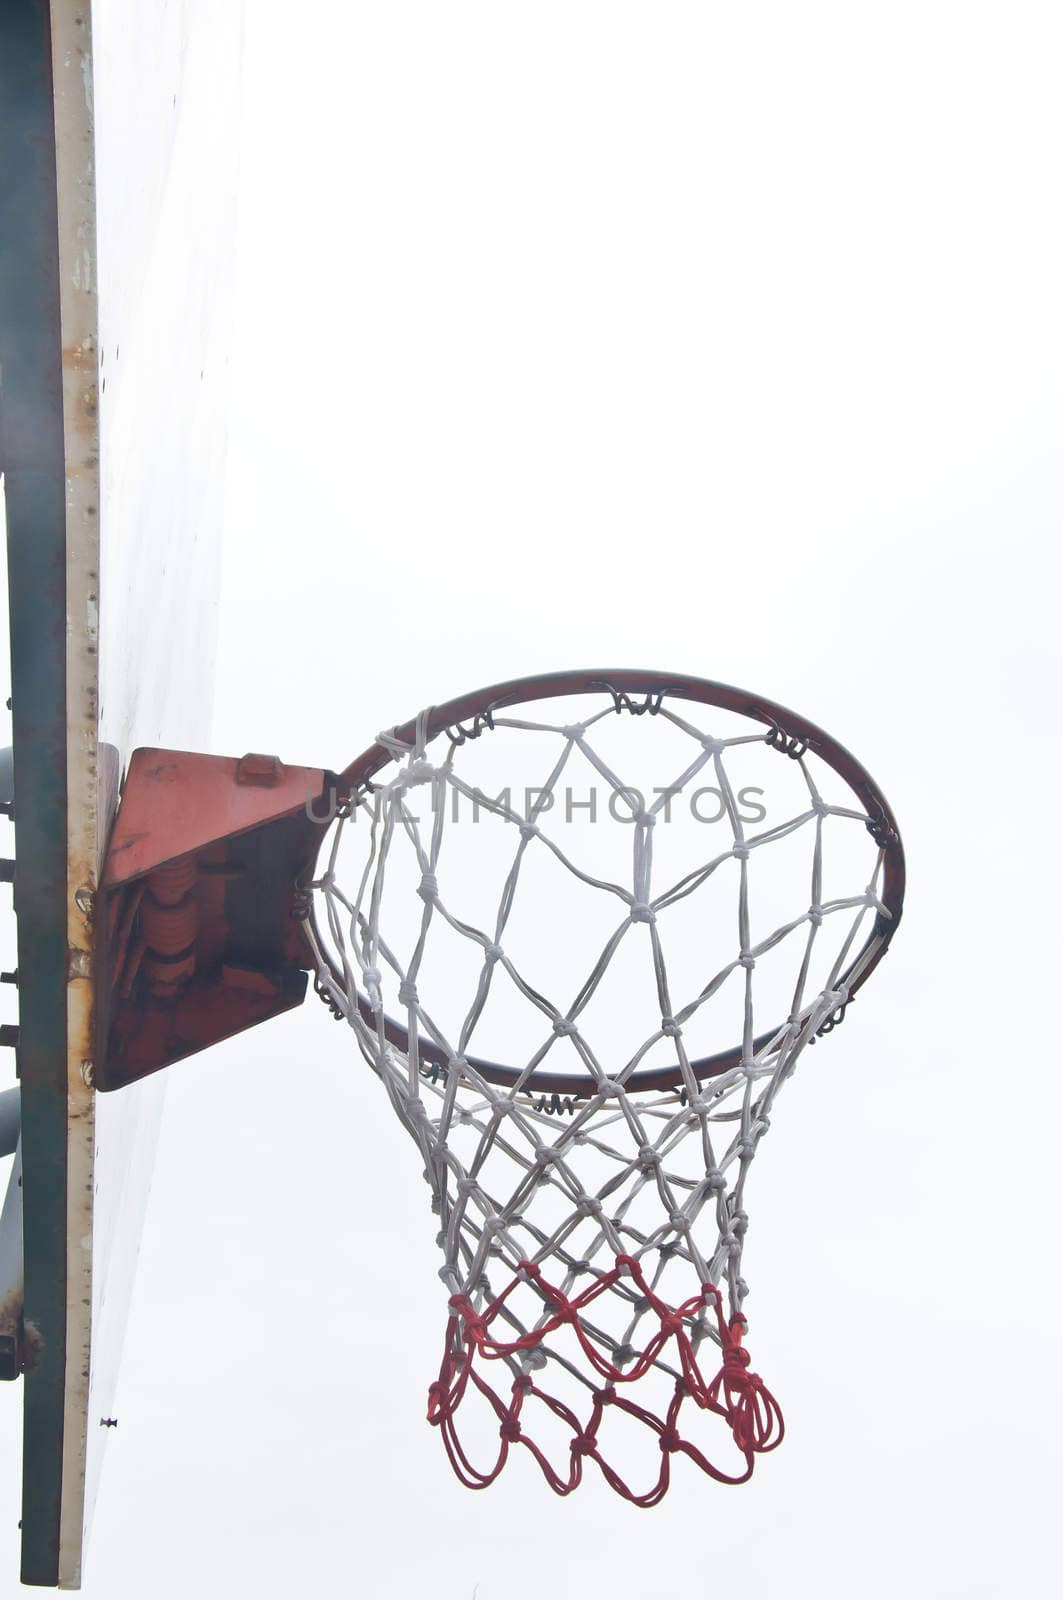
146,106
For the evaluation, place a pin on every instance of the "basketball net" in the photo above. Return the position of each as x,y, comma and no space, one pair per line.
592,1241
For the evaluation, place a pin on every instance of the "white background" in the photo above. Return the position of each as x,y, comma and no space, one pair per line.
724,341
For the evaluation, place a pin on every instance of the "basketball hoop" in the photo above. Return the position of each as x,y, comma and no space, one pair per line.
587,1131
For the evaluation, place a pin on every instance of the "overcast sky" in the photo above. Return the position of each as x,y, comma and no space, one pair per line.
726,342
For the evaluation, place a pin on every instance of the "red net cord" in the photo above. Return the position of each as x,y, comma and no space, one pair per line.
734,1393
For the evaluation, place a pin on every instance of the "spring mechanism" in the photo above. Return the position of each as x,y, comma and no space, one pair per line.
324,993
787,744
880,829
835,1020
622,701
482,722
556,1105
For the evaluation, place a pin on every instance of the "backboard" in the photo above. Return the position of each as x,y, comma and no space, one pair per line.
119,133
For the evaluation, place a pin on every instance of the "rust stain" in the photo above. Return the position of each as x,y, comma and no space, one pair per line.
11,1312
127,843
32,1346
79,964
74,133
80,357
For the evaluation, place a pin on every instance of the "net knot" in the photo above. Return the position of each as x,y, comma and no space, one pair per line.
815,916
670,1028
564,1027
670,1440
530,1270
671,1324
439,1392
528,830
735,1360
745,959
418,771
407,993
753,1412
715,1181
474,1327
584,1444
429,887
371,977
740,852
510,1430
642,912
492,953
832,999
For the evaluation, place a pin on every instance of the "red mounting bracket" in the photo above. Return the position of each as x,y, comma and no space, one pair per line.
198,927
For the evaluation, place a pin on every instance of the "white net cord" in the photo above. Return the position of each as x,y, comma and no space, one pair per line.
592,1236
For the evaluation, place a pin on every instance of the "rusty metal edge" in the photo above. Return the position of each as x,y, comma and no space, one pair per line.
76,186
